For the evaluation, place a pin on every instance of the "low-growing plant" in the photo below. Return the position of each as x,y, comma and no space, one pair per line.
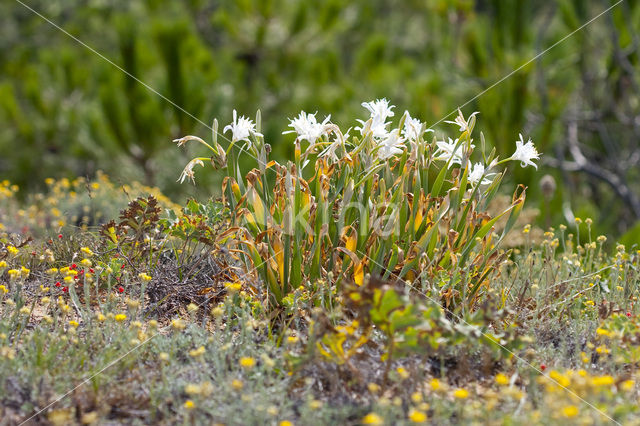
387,202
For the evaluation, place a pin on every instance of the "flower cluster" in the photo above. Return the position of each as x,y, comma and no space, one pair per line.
387,142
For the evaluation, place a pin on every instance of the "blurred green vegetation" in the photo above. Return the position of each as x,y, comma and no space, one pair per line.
66,112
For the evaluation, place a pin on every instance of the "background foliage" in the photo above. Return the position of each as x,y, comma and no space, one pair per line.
65,112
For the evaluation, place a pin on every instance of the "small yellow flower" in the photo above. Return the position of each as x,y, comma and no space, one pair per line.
373,387
100,317
217,312
237,384
197,352
3,289
416,397
178,325
87,251
25,310
627,385
192,308
247,362
12,250
90,418
52,271
602,381
233,287
435,384
461,393
372,419
144,277
602,332
24,272
417,416
86,263
45,300
14,274
120,317
286,423
403,373
74,323
189,404
570,411
192,389
314,404
502,379
163,356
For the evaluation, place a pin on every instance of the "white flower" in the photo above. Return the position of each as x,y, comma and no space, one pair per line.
380,109
188,170
393,144
448,151
377,124
460,121
379,130
477,172
525,152
241,128
307,127
412,128
330,150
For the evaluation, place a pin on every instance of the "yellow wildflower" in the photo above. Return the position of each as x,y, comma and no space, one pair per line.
372,419
502,379
247,362
178,324
403,373
120,317
87,251
461,393
192,389
417,416
373,387
233,287
197,352
435,384
602,381
237,384
570,411
189,404
144,277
